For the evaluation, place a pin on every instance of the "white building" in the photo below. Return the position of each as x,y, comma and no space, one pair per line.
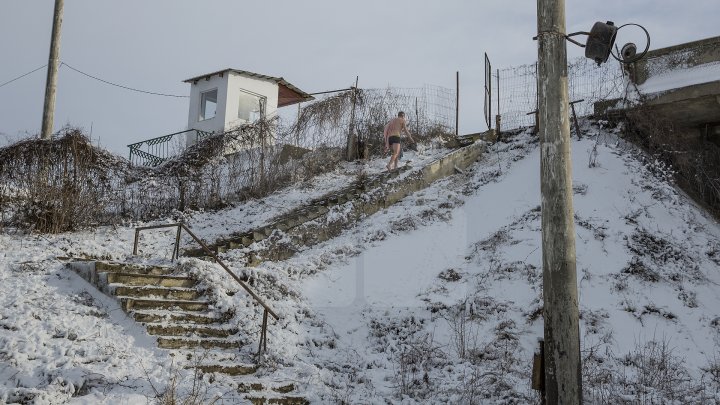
228,98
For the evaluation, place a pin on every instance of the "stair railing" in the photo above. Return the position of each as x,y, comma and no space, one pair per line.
176,253
152,152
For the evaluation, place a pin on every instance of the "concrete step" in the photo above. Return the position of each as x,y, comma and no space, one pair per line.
130,304
176,317
189,330
244,387
159,292
110,267
208,343
229,369
264,400
140,280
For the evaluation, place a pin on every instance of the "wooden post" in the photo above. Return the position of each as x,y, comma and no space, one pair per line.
498,118
538,371
297,127
53,66
575,118
263,127
563,380
457,101
352,150
417,118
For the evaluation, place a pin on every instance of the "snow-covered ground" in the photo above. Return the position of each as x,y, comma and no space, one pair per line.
437,299
664,78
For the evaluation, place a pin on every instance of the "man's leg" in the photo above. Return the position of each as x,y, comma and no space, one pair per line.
396,154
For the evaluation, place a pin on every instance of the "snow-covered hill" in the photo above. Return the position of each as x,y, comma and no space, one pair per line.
437,299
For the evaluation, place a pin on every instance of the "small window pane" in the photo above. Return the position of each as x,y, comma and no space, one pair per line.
249,107
208,105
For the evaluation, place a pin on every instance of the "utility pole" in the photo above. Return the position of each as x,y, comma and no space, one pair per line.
352,144
563,379
53,65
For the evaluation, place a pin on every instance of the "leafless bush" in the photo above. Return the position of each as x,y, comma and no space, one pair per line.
366,111
56,185
185,388
711,373
464,331
651,373
414,364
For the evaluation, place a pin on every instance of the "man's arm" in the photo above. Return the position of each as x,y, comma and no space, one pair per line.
404,129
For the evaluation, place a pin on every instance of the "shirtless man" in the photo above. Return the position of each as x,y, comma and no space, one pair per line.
393,129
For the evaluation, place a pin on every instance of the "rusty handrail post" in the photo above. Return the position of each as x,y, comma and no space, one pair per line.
176,249
263,333
135,244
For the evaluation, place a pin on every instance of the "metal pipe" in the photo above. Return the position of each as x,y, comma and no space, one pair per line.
176,252
214,256
457,101
330,91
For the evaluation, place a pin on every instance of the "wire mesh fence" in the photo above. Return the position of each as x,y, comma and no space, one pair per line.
517,93
364,112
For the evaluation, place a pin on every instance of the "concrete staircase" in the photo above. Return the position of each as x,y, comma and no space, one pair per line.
307,225
173,308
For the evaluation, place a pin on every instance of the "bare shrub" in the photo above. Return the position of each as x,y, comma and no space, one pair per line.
56,185
185,388
414,363
463,331
711,373
651,373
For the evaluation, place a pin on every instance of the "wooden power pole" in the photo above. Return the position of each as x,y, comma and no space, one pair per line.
53,65
563,380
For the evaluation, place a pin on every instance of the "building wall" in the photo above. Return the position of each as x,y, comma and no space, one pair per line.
230,86
213,124
237,83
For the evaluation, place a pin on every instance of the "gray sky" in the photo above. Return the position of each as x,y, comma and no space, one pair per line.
316,45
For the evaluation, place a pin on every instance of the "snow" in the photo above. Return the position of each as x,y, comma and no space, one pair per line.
669,79
356,310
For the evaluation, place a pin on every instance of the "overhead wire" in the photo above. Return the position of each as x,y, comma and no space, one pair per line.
120,85
21,76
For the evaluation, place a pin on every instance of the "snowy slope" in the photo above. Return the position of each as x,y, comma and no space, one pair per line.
435,300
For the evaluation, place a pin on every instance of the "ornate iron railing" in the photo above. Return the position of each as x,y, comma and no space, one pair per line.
152,152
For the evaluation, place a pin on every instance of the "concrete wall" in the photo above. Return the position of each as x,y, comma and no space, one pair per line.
236,84
229,86
684,55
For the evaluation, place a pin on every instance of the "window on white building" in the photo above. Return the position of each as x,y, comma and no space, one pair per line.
208,104
250,107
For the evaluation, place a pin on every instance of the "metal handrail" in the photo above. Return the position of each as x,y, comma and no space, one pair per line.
157,148
176,253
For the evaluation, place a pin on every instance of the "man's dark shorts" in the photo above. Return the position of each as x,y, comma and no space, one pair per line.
393,139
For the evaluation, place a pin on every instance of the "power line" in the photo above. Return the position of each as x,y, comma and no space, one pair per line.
20,77
119,85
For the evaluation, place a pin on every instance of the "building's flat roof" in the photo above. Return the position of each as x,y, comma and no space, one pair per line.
287,93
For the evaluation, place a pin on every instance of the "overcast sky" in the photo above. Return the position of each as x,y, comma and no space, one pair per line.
316,45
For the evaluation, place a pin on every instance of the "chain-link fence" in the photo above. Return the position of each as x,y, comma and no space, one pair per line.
517,93
328,121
